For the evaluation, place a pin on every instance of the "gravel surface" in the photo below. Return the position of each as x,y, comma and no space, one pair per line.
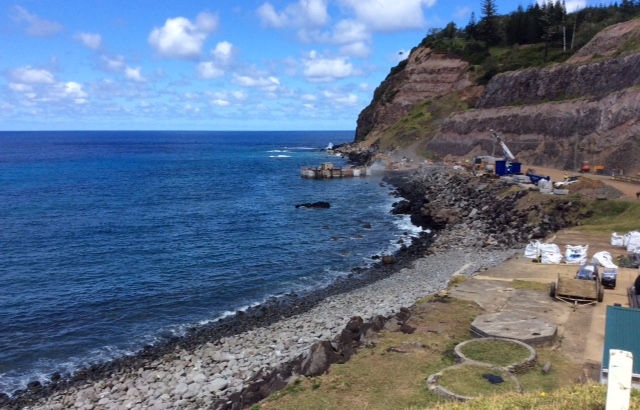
195,379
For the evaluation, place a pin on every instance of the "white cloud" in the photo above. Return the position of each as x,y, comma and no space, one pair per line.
91,40
350,31
248,81
35,25
309,106
180,38
206,70
352,35
30,75
319,69
340,98
304,13
390,15
308,97
134,74
240,95
113,64
223,52
75,92
21,88
359,49
221,103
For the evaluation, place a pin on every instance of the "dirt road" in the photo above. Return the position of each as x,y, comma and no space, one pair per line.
626,188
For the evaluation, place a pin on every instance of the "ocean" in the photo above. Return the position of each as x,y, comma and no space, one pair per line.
110,241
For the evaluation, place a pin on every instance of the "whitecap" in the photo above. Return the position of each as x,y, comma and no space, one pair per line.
279,156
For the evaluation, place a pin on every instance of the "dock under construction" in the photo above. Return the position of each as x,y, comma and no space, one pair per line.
327,170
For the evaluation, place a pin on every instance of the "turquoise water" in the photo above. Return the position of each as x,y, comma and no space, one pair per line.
112,240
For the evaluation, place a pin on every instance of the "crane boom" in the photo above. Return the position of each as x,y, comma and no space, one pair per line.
507,151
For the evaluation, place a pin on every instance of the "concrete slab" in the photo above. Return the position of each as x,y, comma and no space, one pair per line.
527,328
580,329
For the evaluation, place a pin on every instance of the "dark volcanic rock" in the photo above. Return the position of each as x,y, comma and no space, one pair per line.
319,204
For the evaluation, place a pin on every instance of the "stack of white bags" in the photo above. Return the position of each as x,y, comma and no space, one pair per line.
630,240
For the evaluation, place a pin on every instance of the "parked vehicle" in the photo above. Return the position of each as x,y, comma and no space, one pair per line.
588,271
609,277
568,181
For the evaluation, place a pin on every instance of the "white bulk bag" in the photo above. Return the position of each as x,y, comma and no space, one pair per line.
633,241
603,258
617,240
550,253
532,250
576,254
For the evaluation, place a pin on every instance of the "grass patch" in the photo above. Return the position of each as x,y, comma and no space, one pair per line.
615,215
496,352
421,122
378,379
578,397
456,279
527,284
563,373
468,381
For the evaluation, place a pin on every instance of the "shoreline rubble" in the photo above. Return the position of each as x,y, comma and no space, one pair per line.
213,366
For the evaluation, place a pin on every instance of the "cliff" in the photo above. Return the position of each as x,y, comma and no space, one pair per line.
584,109
425,75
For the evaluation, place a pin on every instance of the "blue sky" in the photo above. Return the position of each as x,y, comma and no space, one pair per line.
206,65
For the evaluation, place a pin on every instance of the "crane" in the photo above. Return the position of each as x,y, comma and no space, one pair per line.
507,152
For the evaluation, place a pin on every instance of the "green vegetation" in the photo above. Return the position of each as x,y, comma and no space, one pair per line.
617,215
540,35
421,123
576,397
468,381
526,284
496,352
380,378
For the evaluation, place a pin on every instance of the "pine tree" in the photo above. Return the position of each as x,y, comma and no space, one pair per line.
472,28
488,29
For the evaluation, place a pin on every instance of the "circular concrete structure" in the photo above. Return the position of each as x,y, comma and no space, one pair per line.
529,329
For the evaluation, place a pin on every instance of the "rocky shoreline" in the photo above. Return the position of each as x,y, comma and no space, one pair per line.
239,360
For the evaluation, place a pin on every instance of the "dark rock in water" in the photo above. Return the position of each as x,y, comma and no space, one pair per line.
319,204
34,385
388,260
366,226
56,377
375,257
4,398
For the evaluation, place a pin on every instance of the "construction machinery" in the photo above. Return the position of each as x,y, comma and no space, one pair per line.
508,165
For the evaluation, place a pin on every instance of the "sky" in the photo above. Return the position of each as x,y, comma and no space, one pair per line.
207,65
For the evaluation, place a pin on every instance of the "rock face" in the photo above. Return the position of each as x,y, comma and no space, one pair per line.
563,82
559,134
586,109
424,76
